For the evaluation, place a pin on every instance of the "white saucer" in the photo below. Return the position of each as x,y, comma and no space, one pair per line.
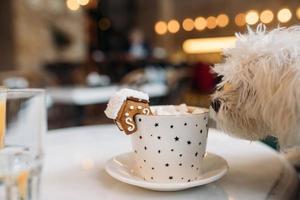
121,167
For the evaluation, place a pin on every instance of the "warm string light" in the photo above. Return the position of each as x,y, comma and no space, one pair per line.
252,17
266,16
284,15
161,27
83,2
200,23
222,20
173,26
72,5
211,22
75,4
188,24
240,19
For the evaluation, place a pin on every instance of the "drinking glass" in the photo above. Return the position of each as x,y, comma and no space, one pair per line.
22,126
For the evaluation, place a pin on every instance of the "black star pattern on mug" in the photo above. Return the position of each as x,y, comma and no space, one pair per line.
135,151
158,137
172,150
189,142
176,139
185,124
192,166
140,119
170,177
151,177
201,131
145,147
156,124
144,161
196,154
196,125
180,155
141,137
167,164
189,180
180,164
151,135
199,143
171,126
152,168
158,151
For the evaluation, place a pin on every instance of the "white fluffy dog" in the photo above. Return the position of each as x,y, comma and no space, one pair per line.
260,90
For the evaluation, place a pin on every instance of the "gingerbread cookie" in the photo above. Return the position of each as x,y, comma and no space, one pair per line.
124,105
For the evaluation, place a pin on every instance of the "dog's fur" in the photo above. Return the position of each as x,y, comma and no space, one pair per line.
260,88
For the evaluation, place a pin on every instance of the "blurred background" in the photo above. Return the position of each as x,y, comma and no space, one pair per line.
82,51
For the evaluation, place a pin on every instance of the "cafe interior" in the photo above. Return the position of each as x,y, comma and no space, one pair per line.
81,52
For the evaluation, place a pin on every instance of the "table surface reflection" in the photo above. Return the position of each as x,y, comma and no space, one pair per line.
75,160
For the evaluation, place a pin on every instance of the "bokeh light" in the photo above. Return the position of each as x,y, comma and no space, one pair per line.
83,2
92,4
252,17
72,5
222,20
284,15
104,24
208,45
160,27
188,24
211,22
266,16
240,19
298,13
200,23
173,26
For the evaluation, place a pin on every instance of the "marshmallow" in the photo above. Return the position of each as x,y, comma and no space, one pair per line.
181,109
170,110
198,111
116,101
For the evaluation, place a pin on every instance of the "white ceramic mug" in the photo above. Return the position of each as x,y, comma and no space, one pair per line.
170,148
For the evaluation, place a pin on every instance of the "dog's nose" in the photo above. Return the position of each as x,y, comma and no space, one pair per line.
216,104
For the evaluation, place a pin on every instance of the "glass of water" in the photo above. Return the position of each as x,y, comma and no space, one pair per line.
22,126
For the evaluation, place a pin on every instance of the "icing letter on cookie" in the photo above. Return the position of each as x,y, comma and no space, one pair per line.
146,111
130,124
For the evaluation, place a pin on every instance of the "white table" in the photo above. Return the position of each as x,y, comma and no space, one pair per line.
75,159
86,96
